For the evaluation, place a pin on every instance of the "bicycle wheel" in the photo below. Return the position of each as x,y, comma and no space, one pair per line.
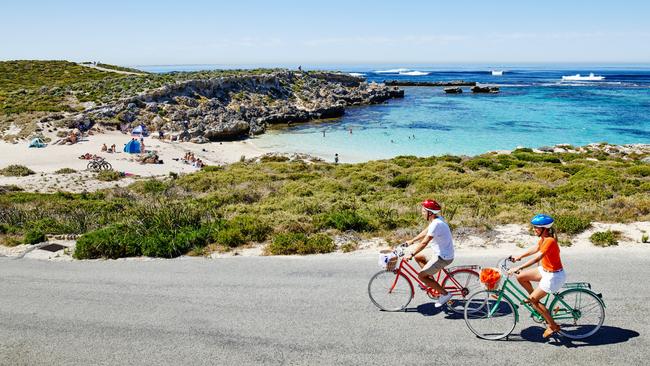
386,296
488,317
583,316
91,165
105,166
469,284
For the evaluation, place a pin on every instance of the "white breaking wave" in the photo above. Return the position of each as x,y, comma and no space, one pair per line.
414,73
358,74
391,71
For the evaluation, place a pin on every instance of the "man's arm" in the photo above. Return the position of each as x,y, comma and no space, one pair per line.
420,246
420,236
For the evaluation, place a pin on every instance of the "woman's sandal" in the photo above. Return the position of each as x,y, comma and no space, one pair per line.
550,331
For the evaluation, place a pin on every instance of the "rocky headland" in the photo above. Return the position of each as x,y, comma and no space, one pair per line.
234,107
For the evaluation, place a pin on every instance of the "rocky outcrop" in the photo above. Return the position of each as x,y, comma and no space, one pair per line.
453,90
429,83
485,89
239,106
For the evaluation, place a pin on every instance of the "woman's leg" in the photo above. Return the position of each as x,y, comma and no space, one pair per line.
524,278
537,295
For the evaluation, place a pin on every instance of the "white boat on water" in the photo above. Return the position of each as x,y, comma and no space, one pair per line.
497,73
578,77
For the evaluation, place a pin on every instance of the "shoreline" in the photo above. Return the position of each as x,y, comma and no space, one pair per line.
46,161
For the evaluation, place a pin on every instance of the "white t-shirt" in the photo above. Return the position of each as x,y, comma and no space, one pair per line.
441,242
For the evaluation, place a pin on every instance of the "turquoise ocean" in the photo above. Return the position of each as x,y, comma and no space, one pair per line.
534,108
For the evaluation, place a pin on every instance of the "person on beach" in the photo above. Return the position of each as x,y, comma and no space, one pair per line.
336,158
550,273
142,144
434,250
112,148
104,148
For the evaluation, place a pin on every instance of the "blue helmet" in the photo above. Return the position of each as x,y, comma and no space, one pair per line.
542,220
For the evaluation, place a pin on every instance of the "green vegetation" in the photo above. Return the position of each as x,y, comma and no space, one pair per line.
645,238
16,171
65,171
292,204
34,236
109,175
605,238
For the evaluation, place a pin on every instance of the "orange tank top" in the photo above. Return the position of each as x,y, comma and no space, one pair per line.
550,254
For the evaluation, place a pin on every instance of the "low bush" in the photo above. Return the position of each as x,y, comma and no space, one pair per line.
345,220
401,181
299,243
109,175
115,241
571,224
65,171
34,236
605,238
16,171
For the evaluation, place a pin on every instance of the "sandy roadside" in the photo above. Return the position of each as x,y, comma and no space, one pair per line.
45,161
503,240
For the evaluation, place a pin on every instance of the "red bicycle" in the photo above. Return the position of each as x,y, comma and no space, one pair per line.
392,289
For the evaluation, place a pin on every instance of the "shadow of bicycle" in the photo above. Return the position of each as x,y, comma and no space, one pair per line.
606,335
429,309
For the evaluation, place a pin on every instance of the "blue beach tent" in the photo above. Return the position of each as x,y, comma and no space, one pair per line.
140,131
36,143
132,147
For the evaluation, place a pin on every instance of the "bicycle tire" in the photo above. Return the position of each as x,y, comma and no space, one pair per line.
583,301
471,284
484,313
90,166
104,165
380,294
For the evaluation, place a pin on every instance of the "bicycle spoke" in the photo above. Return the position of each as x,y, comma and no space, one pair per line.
389,291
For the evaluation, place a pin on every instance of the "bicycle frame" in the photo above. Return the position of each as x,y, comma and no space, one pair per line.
412,274
512,291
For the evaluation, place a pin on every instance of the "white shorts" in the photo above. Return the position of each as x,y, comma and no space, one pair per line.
551,282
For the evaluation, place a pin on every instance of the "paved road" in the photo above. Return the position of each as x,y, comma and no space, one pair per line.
311,310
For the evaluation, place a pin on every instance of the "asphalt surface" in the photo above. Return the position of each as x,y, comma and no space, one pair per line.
290,310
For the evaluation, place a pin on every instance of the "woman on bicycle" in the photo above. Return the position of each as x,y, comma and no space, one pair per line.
550,273
435,250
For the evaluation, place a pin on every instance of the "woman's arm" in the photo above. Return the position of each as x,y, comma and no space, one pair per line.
532,250
530,262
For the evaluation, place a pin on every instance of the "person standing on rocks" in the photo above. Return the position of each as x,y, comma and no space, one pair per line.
336,158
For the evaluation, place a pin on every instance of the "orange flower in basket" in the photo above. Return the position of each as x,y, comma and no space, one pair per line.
490,277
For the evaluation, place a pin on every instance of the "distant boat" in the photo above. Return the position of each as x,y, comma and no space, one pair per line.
578,77
497,73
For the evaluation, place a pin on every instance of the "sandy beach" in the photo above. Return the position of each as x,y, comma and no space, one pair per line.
45,161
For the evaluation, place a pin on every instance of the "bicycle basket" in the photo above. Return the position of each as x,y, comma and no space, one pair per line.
490,278
387,260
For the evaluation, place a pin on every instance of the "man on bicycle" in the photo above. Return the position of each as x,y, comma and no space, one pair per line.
435,249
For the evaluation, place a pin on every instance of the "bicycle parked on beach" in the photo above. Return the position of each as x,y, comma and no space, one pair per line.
99,164
493,313
392,288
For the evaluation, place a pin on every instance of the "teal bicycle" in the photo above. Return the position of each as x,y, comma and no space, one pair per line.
493,314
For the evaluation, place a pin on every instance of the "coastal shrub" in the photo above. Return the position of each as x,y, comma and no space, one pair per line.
401,181
571,224
153,186
34,236
605,238
65,171
252,228
230,236
344,220
109,175
16,171
115,241
299,243
640,170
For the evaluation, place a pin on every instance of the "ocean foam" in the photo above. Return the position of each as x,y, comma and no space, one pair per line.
414,73
391,71
358,74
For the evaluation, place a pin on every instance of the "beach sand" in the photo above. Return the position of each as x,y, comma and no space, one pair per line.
45,161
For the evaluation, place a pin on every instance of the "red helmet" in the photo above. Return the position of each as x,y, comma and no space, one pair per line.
431,206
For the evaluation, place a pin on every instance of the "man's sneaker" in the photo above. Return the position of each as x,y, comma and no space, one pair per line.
443,300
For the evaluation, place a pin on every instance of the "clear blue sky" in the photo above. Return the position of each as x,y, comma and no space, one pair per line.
333,31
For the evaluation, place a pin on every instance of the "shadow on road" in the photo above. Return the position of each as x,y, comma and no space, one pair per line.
606,335
429,309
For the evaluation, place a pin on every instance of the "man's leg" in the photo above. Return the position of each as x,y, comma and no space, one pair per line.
430,269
